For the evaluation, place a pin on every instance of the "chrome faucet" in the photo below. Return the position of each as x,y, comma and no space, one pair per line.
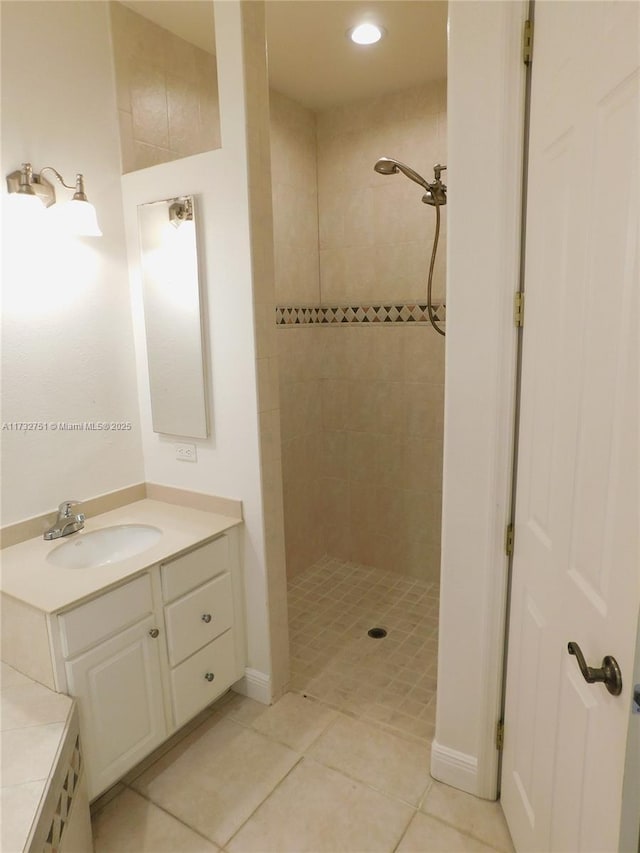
67,521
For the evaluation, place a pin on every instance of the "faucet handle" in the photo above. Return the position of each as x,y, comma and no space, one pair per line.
65,508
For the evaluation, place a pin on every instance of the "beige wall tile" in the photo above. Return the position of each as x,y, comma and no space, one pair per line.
335,396
334,353
335,453
374,405
295,203
360,209
169,87
127,147
422,511
390,510
183,114
181,58
149,103
423,409
423,464
423,355
391,453
335,516
361,457
148,155
391,552
422,559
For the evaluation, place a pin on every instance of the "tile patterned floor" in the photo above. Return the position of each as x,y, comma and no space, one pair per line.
297,777
391,681
338,765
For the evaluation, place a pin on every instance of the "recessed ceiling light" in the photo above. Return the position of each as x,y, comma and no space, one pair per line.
365,34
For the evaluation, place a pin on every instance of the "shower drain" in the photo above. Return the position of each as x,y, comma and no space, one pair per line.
377,633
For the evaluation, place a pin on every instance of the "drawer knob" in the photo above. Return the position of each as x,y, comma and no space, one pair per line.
209,676
206,617
154,632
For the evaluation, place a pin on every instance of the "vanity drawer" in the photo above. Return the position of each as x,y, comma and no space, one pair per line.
86,625
196,567
198,617
191,689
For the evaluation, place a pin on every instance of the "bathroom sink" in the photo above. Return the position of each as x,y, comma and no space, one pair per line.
104,547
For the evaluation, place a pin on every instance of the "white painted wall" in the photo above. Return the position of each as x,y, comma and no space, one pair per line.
67,343
485,116
228,461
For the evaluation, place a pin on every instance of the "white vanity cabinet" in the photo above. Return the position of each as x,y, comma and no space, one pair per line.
112,664
145,657
199,617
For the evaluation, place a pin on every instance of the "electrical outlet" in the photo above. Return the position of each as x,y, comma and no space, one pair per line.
186,452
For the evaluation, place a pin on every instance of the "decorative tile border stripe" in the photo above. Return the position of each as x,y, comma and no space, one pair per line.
394,313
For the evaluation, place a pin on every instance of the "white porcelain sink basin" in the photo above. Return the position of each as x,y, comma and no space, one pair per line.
104,547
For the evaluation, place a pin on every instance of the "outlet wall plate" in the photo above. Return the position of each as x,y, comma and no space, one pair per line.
186,452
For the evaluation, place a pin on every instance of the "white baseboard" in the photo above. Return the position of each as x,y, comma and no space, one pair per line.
454,768
256,685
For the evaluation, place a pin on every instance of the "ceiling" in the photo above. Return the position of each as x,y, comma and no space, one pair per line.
310,58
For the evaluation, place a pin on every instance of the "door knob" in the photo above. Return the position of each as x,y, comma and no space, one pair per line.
609,673
154,632
206,617
209,676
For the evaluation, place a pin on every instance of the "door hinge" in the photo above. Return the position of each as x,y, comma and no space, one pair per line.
518,309
527,42
500,734
508,540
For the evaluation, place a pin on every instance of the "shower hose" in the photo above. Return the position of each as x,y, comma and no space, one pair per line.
432,316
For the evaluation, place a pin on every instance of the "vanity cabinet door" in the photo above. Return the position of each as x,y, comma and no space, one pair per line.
119,692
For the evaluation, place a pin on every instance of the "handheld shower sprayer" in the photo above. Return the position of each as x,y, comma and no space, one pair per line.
389,166
436,192
436,196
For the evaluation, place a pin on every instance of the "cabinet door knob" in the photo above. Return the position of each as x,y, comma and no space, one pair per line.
206,617
209,676
154,632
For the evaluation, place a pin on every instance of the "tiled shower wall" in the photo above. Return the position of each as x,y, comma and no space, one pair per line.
167,92
375,233
362,405
295,228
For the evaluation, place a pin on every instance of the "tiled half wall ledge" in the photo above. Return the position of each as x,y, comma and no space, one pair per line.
12,534
308,315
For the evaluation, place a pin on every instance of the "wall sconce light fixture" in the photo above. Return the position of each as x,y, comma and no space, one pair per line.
78,215
181,211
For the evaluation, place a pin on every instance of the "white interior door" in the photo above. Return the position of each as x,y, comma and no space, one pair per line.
576,572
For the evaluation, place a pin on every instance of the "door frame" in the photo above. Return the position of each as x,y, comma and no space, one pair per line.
484,49
486,101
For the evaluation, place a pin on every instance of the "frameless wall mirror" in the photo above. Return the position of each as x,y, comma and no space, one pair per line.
172,317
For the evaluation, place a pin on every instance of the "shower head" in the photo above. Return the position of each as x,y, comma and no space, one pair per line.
389,166
436,193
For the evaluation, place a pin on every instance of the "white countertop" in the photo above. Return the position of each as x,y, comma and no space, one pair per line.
33,721
29,577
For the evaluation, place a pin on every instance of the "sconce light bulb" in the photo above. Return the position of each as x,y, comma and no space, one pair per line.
83,218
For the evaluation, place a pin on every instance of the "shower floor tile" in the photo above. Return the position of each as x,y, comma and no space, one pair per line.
390,681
